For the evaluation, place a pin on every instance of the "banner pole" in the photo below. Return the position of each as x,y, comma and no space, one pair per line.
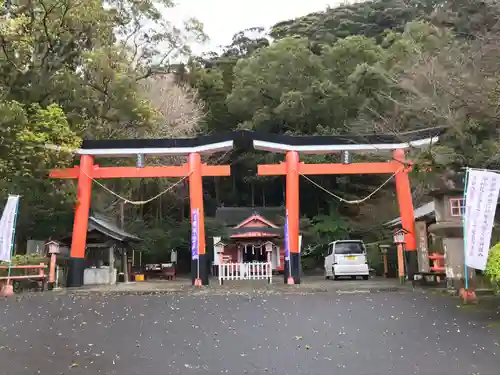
198,268
13,240
290,280
464,229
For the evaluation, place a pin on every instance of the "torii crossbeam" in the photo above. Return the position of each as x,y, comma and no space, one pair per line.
194,170
292,168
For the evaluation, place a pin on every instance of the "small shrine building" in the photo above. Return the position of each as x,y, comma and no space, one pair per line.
250,235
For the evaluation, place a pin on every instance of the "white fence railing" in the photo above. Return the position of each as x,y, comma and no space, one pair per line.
246,271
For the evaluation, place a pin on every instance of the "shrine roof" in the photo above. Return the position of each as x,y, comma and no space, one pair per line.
427,209
108,228
104,227
232,216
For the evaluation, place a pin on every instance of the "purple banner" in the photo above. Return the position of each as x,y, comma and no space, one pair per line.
194,234
287,242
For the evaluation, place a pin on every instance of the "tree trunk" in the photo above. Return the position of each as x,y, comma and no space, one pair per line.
141,198
235,190
160,210
252,186
122,215
216,186
284,194
186,194
124,258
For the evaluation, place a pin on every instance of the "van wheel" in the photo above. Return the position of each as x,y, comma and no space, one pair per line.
366,277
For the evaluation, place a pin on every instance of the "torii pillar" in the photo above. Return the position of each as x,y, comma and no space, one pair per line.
294,269
407,214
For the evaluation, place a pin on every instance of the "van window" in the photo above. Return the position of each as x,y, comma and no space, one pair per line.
343,248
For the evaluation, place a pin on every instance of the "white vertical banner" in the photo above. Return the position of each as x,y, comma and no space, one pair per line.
217,251
7,226
481,202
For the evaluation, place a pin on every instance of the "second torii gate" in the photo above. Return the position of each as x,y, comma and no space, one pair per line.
292,168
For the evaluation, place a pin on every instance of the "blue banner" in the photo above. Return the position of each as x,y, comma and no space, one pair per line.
287,245
194,234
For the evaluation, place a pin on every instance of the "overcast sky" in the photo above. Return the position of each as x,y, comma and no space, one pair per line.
223,18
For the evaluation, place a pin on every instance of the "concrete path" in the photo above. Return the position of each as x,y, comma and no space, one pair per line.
253,332
309,284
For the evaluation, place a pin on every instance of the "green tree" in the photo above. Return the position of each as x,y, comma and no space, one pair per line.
443,81
370,19
71,70
272,83
493,266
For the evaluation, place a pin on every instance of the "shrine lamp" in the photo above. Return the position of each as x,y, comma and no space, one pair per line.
53,247
399,236
384,249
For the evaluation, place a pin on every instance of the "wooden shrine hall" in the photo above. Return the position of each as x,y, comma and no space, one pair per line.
391,145
250,234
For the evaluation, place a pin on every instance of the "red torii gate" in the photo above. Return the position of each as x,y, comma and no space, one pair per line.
194,170
292,168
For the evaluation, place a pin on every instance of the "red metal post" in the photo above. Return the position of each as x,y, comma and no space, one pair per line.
386,266
80,226
52,269
199,268
407,214
401,263
292,207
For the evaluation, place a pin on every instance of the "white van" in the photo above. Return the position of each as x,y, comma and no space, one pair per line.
346,258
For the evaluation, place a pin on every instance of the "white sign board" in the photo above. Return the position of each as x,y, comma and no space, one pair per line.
7,223
217,250
481,202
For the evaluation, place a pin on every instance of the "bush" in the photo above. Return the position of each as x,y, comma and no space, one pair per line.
493,265
23,260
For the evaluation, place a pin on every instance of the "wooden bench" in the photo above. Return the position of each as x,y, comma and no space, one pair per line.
164,271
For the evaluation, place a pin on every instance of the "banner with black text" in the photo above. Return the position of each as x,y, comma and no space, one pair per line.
480,206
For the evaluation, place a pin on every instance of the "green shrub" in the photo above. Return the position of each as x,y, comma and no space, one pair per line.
493,266
309,263
24,260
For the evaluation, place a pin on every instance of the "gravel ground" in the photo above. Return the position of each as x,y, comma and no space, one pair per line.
247,333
